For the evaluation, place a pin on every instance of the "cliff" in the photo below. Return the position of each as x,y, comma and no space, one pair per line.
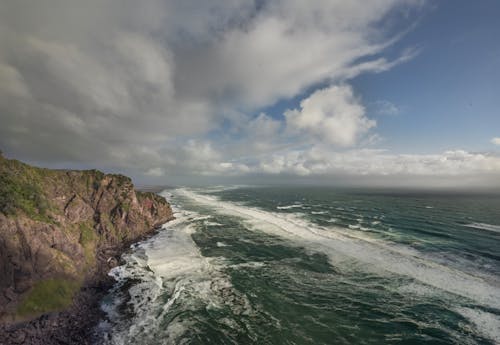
61,231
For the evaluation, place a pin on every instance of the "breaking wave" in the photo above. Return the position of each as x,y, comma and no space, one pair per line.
381,255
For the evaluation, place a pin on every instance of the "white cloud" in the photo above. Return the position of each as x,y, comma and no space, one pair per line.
155,172
169,87
332,115
496,141
263,126
134,74
384,107
289,46
320,161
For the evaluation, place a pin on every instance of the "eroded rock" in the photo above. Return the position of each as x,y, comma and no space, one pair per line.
66,228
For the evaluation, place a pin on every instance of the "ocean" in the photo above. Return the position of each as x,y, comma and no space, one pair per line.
312,265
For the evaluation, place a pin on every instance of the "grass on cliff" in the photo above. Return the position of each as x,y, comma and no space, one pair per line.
21,189
48,295
88,239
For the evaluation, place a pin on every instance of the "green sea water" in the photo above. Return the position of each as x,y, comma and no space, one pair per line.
310,265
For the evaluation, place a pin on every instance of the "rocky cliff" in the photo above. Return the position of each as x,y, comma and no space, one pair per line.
60,232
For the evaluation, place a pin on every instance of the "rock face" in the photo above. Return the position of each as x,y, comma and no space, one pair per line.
60,232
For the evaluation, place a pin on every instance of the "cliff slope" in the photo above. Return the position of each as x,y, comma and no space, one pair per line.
60,232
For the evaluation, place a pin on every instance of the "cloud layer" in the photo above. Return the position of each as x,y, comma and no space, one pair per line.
163,88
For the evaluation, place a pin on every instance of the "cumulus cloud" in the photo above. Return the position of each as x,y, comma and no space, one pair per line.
174,88
333,115
112,77
496,141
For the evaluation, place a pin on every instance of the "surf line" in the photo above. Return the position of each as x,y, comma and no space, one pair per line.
383,255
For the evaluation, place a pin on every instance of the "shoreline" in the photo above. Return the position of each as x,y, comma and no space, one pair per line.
61,231
77,324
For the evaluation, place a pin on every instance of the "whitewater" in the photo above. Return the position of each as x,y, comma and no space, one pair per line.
252,265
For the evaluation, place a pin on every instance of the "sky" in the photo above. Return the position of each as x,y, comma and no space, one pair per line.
381,92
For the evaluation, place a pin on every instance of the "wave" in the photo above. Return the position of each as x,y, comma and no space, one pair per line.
339,244
319,212
484,226
486,324
222,188
288,207
208,223
168,272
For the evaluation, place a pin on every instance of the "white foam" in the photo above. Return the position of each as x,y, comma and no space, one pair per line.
170,265
486,324
288,207
484,226
369,251
151,281
201,218
175,255
319,212
417,289
208,223
251,264
222,244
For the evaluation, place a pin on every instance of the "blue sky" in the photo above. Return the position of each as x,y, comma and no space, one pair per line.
448,95
449,92
285,90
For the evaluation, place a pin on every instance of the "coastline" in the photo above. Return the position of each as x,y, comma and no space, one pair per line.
77,324
61,231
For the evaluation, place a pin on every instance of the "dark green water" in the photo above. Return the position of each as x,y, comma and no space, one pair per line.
313,266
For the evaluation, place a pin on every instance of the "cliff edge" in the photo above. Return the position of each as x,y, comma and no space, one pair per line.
61,232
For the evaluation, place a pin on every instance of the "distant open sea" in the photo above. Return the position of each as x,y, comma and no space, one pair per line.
310,265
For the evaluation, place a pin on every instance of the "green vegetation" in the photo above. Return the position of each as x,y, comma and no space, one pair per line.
126,206
150,195
20,190
121,180
22,187
88,240
62,260
87,235
48,295
93,178
87,220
